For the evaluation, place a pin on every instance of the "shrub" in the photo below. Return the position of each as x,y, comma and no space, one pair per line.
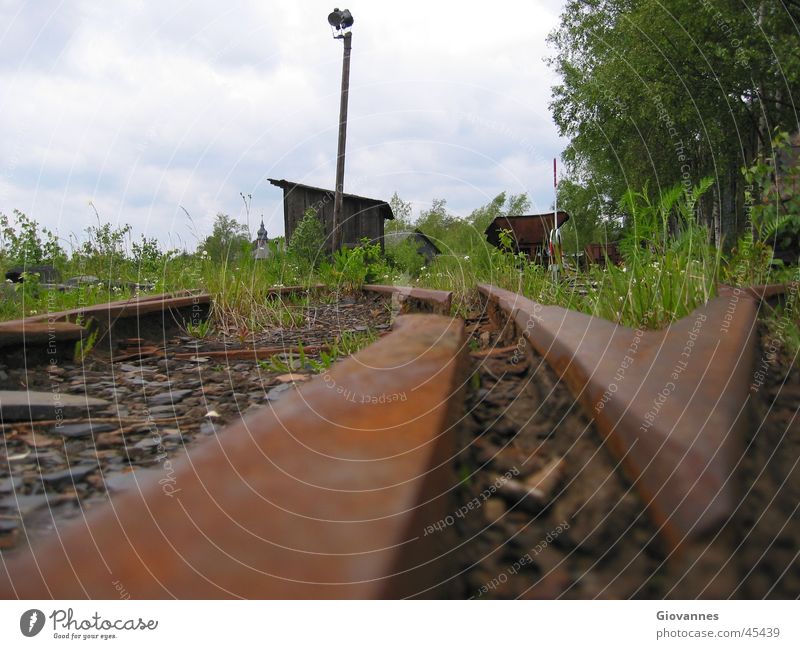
308,241
405,257
354,267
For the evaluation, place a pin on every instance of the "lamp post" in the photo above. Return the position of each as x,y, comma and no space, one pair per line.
341,22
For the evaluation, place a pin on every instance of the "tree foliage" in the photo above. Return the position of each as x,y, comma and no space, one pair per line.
588,210
227,240
664,93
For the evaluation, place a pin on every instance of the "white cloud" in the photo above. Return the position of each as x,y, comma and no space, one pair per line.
142,108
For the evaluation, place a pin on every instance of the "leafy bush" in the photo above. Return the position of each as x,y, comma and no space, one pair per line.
669,267
308,241
23,245
773,200
354,267
405,258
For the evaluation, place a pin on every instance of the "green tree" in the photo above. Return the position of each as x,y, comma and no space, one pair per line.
661,94
587,223
403,221
227,241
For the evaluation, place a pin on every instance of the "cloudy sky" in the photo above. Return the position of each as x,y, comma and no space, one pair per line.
142,108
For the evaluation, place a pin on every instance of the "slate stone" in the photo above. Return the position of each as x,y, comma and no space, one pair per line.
207,428
162,410
277,392
82,430
24,504
118,481
7,485
73,473
147,444
8,525
169,397
26,405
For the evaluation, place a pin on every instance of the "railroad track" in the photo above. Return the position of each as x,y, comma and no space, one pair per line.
528,451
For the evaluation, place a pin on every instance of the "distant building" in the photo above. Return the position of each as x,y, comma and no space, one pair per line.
424,245
529,233
361,217
260,245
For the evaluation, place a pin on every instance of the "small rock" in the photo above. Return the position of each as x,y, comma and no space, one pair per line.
82,430
162,410
17,457
546,480
277,392
27,405
8,525
127,367
104,440
7,485
24,504
68,475
174,396
118,481
171,435
494,509
147,444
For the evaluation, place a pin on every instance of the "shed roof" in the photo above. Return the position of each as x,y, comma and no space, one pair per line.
288,185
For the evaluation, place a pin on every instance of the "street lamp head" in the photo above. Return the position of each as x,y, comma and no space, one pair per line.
340,20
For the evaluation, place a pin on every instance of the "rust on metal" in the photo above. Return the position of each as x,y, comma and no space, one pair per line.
417,299
672,404
763,293
38,333
597,253
252,353
321,494
529,232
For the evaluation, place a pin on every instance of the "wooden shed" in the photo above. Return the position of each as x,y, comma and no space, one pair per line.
528,232
361,217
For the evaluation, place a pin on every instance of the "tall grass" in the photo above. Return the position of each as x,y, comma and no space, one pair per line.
669,267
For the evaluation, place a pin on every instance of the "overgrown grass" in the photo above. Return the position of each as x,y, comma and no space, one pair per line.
669,269
346,344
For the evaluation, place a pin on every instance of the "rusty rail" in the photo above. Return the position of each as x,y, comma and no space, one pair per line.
670,403
416,299
322,494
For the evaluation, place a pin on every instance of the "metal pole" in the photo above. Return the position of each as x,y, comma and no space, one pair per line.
337,201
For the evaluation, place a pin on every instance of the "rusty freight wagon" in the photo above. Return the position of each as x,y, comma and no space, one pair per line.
597,253
528,233
361,217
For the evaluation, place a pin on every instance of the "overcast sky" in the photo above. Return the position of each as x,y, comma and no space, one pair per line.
141,107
